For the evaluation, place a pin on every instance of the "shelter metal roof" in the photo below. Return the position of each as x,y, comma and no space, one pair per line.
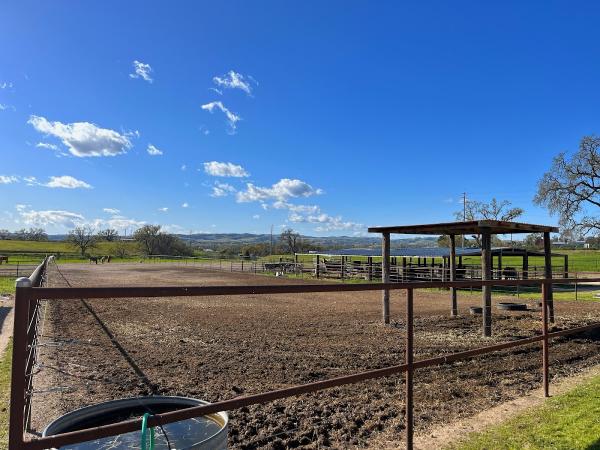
469,227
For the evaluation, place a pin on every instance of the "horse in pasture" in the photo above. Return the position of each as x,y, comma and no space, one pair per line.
3,259
93,259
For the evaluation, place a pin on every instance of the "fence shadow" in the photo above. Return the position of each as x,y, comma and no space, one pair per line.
138,371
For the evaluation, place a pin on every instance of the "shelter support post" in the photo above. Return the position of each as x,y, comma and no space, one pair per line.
385,275
548,275
454,308
525,266
486,274
566,266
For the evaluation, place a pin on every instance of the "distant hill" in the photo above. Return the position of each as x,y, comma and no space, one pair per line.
210,240
213,240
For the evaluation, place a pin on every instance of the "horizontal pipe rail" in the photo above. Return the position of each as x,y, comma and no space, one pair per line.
187,291
239,402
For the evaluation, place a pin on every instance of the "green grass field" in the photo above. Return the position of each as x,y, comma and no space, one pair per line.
5,363
7,285
569,421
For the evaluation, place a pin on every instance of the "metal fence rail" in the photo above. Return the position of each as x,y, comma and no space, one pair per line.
28,297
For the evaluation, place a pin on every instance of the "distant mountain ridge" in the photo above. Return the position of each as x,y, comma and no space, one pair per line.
210,240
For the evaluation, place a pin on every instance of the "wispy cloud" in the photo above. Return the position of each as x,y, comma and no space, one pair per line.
165,209
185,205
84,139
8,179
282,190
111,210
142,70
6,85
222,190
67,182
4,107
63,181
235,80
47,145
225,169
153,151
232,118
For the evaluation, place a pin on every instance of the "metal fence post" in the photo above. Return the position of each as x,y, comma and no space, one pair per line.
17,386
409,369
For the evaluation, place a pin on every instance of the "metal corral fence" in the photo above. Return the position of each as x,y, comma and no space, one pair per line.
346,270
30,292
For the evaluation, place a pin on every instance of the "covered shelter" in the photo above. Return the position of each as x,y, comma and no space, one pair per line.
484,228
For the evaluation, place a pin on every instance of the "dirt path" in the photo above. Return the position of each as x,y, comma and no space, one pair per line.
6,320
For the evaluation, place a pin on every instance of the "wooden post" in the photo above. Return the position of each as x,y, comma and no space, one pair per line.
370,267
403,268
548,274
525,265
566,266
486,274
318,268
454,305
385,275
546,289
343,266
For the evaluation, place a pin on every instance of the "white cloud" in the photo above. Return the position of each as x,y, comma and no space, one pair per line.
165,209
234,80
183,167
152,150
232,118
111,210
282,190
8,179
325,222
141,71
67,182
185,205
31,181
256,216
4,107
6,85
222,190
83,138
225,169
47,145
61,218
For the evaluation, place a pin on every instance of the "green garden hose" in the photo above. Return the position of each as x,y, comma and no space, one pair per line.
145,431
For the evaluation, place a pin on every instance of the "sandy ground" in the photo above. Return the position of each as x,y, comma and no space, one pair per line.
216,348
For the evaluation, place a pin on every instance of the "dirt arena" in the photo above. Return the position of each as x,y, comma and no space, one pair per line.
215,348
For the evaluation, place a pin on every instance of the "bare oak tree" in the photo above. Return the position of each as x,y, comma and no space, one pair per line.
494,210
571,188
109,235
82,237
290,241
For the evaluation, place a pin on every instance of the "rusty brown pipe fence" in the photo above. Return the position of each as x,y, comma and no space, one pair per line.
28,296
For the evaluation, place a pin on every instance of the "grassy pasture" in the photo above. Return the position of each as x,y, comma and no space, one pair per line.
567,421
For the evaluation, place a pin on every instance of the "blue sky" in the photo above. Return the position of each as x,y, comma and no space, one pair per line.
324,116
